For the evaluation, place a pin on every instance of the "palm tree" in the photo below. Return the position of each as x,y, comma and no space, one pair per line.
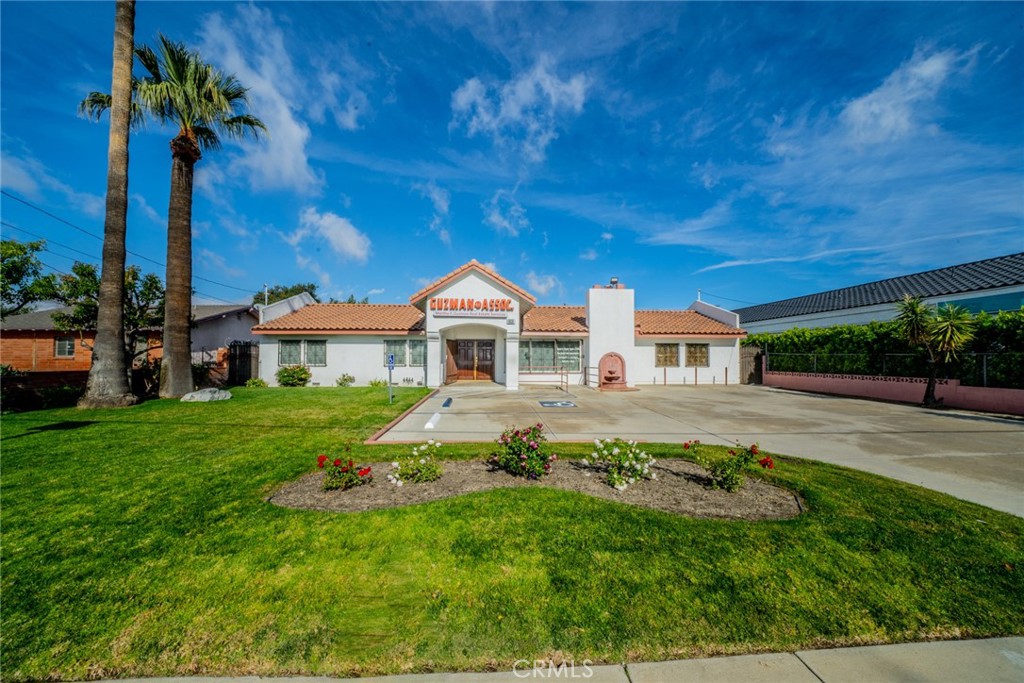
952,331
109,383
943,333
205,104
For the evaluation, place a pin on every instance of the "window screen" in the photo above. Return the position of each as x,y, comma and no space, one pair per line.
316,352
397,347
417,352
569,355
289,352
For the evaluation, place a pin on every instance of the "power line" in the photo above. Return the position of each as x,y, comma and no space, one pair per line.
95,260
92,234
739,301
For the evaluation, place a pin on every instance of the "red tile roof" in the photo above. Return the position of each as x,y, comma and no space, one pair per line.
473,265
573,319
552,320
348,318
570,319
680,323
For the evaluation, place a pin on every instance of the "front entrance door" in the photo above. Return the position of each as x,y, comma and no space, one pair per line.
474,358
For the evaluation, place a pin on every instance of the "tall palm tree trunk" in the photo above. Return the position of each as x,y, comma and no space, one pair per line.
176,367
108,383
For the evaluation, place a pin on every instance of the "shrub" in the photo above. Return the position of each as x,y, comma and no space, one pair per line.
200,374
421,467
727,474
623,461
523,452
343,474
294,376
60,397
256,383
378,383
345,380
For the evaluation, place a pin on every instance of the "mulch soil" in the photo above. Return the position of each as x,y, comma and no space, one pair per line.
681,487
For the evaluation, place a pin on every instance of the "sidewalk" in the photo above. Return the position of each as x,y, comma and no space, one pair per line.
995,660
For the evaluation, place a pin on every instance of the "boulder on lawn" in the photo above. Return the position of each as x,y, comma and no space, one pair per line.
209,394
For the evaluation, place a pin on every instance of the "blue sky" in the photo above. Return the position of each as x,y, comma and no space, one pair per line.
753,151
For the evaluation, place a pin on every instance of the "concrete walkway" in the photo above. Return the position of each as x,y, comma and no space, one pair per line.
973,456
997,660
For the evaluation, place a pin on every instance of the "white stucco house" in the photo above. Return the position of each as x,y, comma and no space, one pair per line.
475,325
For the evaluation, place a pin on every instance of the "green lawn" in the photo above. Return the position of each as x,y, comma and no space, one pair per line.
136,543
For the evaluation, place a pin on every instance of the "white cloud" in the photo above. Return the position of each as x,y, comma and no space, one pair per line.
607,236
589,254
503,213
30,177
490,265
147,210
252,47
375,292
216,262
695,231
343,237
441,200
525,111
542,284
894,109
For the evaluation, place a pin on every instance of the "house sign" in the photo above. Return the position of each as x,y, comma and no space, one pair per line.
448,307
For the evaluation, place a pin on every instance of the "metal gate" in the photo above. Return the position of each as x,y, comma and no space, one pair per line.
243,362
750,364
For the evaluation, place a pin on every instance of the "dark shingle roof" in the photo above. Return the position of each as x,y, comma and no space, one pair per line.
1002,271
43,320
33,320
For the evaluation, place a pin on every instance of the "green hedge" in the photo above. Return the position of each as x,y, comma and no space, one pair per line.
877,349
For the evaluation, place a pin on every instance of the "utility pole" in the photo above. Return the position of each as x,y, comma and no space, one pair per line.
266,294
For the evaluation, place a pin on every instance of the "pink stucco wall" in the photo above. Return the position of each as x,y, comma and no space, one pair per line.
905,389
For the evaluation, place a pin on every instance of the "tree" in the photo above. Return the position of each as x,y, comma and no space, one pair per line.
109,383
352,300
22,282
943,334
280,292
82,290
205,104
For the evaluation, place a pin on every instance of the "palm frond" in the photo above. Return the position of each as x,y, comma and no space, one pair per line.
94,105
207,138
951,330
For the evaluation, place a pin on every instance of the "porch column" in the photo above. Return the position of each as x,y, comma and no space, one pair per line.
435,364
512,361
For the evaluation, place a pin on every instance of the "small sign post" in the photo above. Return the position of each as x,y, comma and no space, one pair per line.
391,367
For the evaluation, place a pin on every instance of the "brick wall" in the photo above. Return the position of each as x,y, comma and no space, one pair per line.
34,351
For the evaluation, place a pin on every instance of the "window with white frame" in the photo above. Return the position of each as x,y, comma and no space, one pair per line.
418,352
549,355
698,355
311,352
64,347
666,355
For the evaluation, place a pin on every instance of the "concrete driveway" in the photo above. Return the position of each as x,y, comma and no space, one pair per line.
972,456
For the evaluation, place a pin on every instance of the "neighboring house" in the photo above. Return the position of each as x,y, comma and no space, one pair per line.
215,327
31,342
473,324
991,285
